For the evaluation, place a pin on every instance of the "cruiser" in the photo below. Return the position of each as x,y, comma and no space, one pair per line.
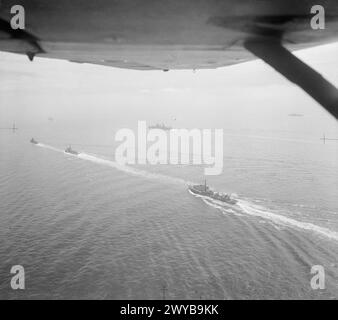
71,151
204,190
33,141
161,126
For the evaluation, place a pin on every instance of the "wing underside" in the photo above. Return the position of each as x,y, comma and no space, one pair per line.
176,34
161,34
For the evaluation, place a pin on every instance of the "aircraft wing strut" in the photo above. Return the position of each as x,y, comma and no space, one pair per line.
273,53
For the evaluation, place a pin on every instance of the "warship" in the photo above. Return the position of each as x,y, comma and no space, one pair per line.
33,141
71,151
204,190
161,126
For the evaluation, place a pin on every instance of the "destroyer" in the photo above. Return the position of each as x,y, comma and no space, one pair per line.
71,151
160,126
33,141
204,190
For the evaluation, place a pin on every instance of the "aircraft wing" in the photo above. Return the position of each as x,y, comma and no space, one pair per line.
158,34
171,34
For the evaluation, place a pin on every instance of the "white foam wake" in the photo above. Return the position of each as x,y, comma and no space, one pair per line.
46,146
124,168
261,212
129,169
251,209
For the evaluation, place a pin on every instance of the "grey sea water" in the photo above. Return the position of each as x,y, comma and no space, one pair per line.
85,227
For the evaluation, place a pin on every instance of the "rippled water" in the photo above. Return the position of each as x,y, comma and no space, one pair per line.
85,227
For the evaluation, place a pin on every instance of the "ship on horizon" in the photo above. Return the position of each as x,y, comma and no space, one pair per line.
161,126
204,190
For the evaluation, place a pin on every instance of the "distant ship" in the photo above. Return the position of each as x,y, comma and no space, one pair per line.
33,141
71,151
296,115
161,126
204,190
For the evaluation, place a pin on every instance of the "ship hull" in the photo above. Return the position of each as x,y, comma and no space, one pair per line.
72,152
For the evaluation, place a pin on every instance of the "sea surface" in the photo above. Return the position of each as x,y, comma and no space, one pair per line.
85,227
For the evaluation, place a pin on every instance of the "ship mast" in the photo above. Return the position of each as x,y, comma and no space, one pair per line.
14,127
205,185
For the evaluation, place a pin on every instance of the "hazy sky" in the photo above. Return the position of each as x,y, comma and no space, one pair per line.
241,97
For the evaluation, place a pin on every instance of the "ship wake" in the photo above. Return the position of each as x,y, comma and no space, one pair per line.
247,208
258,211
242,207
123,168
129,169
